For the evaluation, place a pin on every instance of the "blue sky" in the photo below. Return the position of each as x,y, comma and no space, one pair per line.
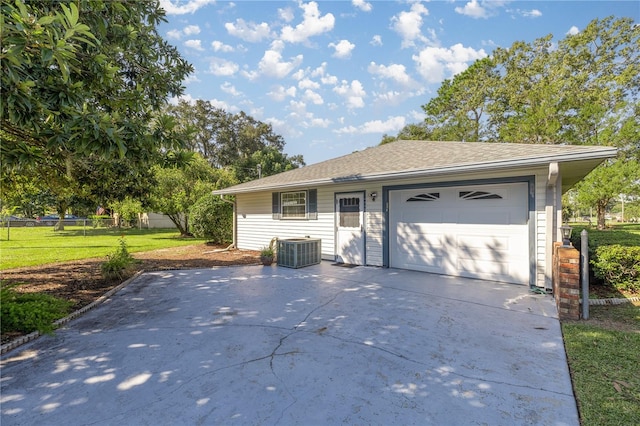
333,76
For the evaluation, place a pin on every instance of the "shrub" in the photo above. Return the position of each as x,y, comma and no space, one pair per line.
212,218
618,266
28,312
118,264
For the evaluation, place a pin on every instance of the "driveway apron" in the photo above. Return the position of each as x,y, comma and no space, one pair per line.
319,345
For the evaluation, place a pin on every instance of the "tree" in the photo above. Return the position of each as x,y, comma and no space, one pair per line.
84,80
583,89
222,138
180,186
25,194
212,218
458,112
127,209
605,183
266,162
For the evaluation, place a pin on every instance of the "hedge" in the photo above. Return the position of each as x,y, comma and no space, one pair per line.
618,266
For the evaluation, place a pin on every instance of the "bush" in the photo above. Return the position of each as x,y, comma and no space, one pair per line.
28,312
118,264
212,218
618,266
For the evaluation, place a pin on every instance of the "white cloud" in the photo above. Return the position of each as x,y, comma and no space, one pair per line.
330,80
319,72
298,75
312,24
280,93
362,5
392,97
409,24
343,49
178,7
188,31
417,115
230,89
177,34
298,110
396,72
533,13
432,62
224,105
282,127
191,30
222,67
352,92
219,46
249,31
573,31
307,83
194,44
376,40
272,64
320,122
473,9
391,125
313,97
286,14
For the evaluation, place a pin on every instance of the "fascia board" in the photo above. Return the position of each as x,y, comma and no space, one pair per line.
405,174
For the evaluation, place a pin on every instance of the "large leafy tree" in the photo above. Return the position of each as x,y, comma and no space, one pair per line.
458,112
83,81
225,139
181,182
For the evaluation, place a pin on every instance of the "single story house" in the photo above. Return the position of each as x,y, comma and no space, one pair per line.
480,210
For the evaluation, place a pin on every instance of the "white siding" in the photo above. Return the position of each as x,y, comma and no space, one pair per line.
256,227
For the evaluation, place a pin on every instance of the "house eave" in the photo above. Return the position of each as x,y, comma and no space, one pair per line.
435,171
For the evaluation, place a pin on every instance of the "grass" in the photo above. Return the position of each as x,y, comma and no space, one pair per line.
603,356
42,245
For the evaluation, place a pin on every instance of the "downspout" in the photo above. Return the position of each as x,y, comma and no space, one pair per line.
235,223
550,219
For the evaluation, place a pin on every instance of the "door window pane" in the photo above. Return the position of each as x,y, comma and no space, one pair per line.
350,212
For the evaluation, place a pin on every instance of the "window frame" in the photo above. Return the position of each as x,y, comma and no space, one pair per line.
284,216
311,205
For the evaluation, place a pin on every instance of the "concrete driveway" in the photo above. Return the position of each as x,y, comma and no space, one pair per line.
319,345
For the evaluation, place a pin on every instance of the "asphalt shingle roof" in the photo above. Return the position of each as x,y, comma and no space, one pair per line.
408,158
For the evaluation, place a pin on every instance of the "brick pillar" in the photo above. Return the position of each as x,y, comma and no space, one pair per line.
566,281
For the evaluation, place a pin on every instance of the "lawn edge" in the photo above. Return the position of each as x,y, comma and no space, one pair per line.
62,321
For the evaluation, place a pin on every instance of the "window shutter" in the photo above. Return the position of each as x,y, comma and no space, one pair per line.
313,204
275,205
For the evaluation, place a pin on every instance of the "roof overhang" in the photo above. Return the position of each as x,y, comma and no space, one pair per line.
574,166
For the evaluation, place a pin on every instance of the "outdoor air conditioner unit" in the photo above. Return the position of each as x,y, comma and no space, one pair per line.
299,252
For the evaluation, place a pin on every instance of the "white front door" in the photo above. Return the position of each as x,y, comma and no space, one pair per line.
349,210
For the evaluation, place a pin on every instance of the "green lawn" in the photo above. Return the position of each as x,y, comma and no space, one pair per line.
604,358
42,245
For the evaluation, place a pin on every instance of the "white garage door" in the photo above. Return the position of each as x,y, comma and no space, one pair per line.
477,231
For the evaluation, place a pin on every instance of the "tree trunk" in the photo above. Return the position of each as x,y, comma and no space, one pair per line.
62,208
176,219
601,209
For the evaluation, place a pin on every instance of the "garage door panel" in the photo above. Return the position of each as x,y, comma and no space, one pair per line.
418,215
477,231
477,216
486,266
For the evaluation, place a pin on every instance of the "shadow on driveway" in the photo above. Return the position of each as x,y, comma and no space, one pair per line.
318,345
